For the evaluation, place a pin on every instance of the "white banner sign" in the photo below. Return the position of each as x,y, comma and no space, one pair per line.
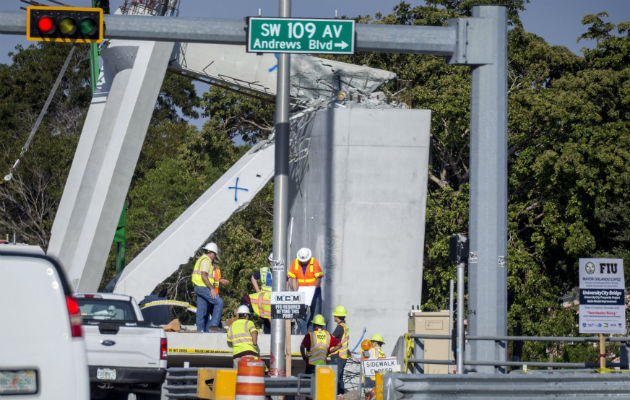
602,301
287,298
371,367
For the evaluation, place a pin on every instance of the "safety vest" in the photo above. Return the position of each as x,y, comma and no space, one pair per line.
373,354
376,353
240,335
320,342
213,276
343,352
266,279
261,304
307,278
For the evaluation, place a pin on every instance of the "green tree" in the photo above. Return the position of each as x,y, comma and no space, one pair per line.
28,201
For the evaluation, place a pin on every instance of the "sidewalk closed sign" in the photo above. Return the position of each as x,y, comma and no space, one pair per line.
371,367
287,305
602,301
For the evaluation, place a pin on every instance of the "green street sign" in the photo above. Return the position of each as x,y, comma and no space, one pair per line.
299,35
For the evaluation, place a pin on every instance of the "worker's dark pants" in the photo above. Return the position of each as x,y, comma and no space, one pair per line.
206,305
341,364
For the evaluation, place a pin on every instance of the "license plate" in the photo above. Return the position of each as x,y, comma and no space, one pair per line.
18,381
106,374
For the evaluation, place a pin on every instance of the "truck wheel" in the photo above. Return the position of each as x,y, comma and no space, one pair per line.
106,394
114,395
151,396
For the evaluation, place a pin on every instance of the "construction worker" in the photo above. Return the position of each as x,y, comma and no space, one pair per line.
242,336
317,344
340,357
261,300
305,271
206,278
265,276
375,352
261,305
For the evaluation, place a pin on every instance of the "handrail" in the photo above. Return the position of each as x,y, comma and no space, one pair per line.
527,338
574,339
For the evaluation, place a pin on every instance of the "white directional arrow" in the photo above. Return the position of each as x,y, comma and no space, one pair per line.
343,45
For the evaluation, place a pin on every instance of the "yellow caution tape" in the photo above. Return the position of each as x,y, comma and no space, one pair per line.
199,351
189,306
210,351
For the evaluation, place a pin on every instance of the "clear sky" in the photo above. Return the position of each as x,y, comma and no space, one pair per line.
557,21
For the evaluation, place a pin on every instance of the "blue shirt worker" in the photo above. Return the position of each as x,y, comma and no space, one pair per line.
206,278
265,276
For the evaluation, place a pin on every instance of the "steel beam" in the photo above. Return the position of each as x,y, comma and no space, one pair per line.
438,40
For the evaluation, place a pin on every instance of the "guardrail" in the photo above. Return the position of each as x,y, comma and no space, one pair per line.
181,383
538,385
569,339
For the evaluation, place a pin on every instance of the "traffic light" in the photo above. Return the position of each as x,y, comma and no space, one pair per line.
64,24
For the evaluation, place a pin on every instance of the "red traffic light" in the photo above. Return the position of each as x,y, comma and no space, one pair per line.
64,24
46,25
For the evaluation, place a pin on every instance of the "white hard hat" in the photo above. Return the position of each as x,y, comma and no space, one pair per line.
242,309
304,254
270,258
211,247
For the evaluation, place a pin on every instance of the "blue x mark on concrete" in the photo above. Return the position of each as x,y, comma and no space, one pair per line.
236,189
275,66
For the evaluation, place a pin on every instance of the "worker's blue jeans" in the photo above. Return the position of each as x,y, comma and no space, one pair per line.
341,364
304,325
205,305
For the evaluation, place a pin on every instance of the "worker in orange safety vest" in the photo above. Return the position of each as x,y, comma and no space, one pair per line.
261,305
305,271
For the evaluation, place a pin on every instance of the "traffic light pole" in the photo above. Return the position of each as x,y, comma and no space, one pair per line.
281,201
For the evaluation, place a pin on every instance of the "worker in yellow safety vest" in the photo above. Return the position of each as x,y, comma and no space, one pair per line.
242,336
264,274
206,277
317,344
374,352
340,357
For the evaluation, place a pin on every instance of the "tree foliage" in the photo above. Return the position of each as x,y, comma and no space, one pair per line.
568,155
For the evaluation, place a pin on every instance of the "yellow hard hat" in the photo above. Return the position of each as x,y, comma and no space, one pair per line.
377,338
319,320
340,311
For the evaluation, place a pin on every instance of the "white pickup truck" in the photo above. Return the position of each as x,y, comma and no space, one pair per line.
125,354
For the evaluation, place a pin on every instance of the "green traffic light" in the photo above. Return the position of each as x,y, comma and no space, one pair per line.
87,26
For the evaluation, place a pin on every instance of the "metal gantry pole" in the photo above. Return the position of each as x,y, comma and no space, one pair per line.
487,261
451,290
281,200
459,352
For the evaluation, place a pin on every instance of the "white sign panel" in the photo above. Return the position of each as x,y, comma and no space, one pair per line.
308,292
287,305
371,367
602,301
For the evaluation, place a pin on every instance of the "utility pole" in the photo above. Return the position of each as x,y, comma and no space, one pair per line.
281,200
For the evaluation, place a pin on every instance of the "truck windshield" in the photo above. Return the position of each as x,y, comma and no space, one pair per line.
102,309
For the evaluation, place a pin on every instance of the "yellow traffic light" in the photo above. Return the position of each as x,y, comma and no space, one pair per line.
64,24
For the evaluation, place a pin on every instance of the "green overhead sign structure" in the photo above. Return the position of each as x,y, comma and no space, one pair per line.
298,35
